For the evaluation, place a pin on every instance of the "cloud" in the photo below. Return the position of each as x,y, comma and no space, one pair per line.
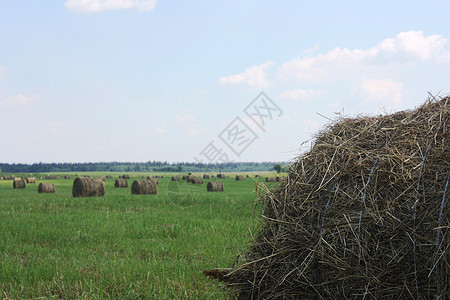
185,117
19,101
254,76
93,6
300,94
341,63
381,91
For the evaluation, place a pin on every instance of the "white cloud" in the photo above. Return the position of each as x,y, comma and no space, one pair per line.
300,94
93,6
185,117
18,101
254,76
381,91
340,63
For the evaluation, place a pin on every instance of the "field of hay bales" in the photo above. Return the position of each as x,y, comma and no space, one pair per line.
121,245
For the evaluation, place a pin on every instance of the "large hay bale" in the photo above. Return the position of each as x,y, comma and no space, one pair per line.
121,183
19,183
143,187
31,180
87,187
214,186
196,180
175,178
363,214
240,178
46,188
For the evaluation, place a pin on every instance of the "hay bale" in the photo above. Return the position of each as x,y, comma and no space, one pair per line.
175,178
271,179
19,183
31,180
184,177
121,183
143,187
109,177
67,177
46,188
214,186
51,177
196,180
206,176
11,177
87,187
154,179
125,176
364,213
240,178
102,178
220,175
189,178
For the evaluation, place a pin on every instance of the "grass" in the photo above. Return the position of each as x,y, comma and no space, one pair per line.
121,245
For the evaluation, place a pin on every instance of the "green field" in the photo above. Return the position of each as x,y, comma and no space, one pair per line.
121,245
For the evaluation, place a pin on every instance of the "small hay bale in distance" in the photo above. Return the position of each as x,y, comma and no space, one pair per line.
31,180
144,187
45,187
67,177
196,180
88,187
175,178
214,186
121,183
239,178
221,176
51,177
109,177
271,179
206,176
126,176
154,179
189,178
184,177
19,183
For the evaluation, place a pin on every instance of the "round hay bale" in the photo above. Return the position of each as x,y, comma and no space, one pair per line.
67,177
184,177
240,178
364,213
31,180
214,186
46,188
154,179
121,183
196,180
19,183
190,178
220,176
87,187
102,178
175,178
271,179
109,177
125,176
206,176
144,187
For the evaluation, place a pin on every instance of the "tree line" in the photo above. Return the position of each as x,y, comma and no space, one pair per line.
150,166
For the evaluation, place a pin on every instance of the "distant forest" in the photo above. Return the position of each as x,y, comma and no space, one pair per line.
154,166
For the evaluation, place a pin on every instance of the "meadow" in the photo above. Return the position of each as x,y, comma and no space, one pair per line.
121,245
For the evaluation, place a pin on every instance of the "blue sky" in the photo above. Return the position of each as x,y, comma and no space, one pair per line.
130,80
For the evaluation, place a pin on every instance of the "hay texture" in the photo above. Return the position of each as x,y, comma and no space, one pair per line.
87,187
196,180
240,178
46,188
363,215
121,183
19,183
144,187
31,180
214,186
271,179
154,179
